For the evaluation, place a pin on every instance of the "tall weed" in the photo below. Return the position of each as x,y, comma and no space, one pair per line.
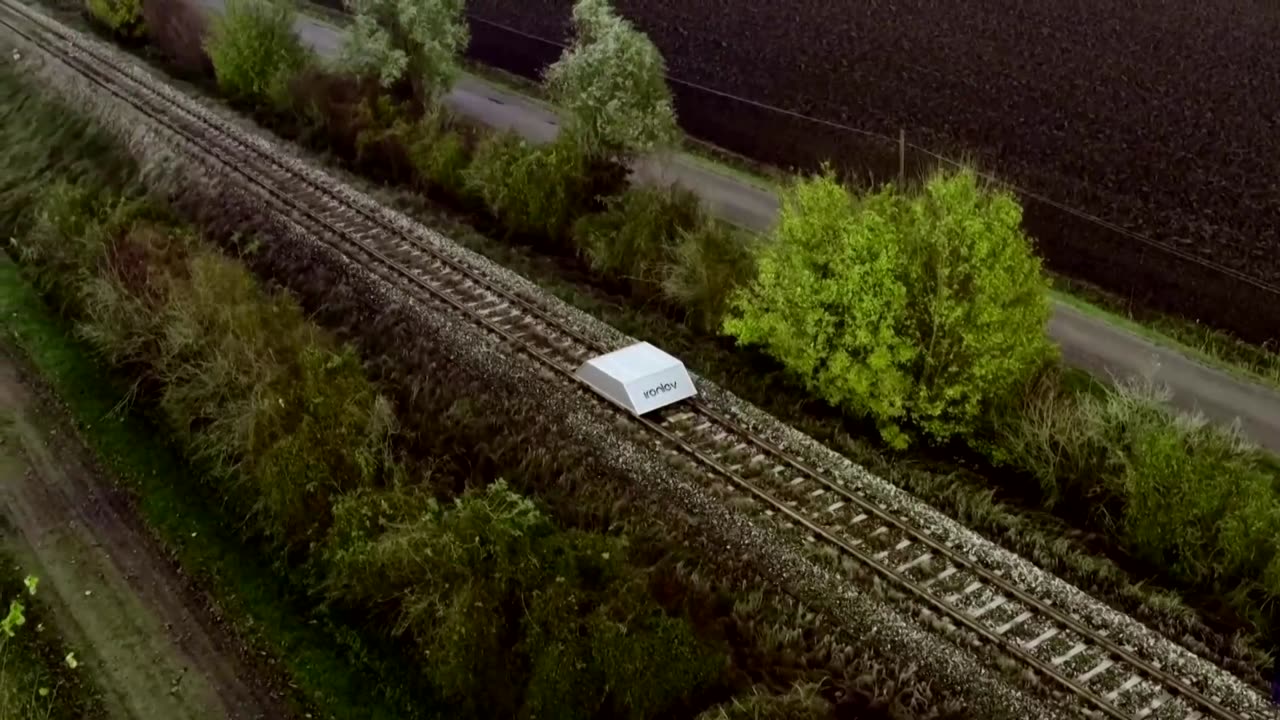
532,191
440,153
1182,495
635,235
42,142
709,263
802,702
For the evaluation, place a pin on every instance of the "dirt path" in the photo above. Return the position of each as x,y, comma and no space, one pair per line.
132,619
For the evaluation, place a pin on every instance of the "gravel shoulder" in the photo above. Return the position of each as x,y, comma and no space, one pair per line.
135,624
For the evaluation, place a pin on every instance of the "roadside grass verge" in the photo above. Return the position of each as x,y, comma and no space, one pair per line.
1214,348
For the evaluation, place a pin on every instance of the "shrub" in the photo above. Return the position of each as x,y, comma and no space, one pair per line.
328,108
512,617
635,236
411,46
1182,495
916,310
281,417
382,136
612,85
254,51
440,154
122,17
710,262
178,28
530,190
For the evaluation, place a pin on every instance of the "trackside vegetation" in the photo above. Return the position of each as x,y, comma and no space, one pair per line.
419,561
915,311
297,442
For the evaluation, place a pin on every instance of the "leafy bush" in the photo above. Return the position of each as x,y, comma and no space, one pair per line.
283,419
636,233
612,84
710,262
530,190
511,617
254,50
1181,494
122,17
440,154
916,310
178,28
407,44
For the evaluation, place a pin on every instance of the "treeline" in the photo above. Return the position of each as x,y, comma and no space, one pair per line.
920,309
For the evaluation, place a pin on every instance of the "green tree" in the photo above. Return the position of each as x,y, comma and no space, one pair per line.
917,310
409,44
254,50
612,84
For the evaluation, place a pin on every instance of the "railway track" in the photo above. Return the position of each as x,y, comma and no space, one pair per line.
1113,679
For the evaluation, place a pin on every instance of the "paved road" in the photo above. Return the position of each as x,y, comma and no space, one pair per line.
1087,342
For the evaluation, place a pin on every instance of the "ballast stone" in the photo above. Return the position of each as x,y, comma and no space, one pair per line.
639,377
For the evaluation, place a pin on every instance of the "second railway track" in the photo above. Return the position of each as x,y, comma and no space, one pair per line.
1113,679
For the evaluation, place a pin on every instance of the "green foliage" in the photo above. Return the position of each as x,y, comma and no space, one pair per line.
122,17
255,52
531,190
802,702
661,242
41,142
439,154
510,616
709,263
407,42
1182,495
281,417
635,235
291,434
915,310
612,84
